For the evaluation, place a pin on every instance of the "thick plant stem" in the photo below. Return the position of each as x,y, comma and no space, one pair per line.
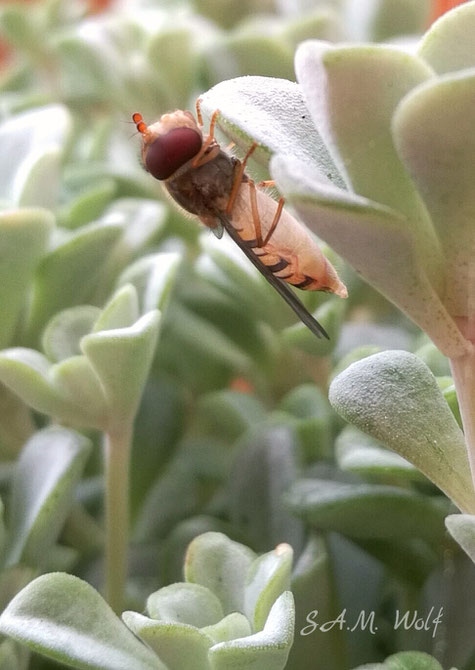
118,445
463,372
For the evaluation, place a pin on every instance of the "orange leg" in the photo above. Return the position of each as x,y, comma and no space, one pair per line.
198,112
275,221
238,179
256,219
268,183
200,158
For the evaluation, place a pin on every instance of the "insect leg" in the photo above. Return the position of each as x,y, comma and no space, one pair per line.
268,183
198,112
256,219
200,158
238,179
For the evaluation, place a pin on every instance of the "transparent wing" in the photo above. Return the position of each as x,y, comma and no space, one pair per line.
280,286
218,231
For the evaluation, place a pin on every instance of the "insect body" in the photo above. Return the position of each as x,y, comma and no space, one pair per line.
206,181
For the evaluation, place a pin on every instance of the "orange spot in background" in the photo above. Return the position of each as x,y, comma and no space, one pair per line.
5,54
439,7
242,385
98,6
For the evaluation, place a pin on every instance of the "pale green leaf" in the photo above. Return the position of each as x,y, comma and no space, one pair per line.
62,617
394,397
43,487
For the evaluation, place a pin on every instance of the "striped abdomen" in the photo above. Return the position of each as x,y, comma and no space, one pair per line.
291,253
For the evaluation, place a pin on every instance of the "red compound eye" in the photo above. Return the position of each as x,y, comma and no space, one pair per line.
169,152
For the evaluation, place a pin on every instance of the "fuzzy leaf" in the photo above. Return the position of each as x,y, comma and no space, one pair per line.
265,110
434,138
230,627
266,650
268,578
394,397
121,359
26,373
358,452
448,45
76,382
176,644
64,618
24,236
405,660
31,145
68,275
121,311
186,603
462,529
44,482
64,331
355,121
248,52
222,566
376,242
313,586
153,276
382,20
142,221
366,510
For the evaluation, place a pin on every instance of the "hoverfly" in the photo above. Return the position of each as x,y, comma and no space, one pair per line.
208,182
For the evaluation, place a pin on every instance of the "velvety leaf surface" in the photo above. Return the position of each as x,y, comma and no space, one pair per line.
178,645
24,235
448,45
358,452
365,510
76,382
64,618
31,146
313,587
64,331
222,566
462,529
70,272
355,121
264,109
394,397
121,311
187,603
43,487
405,660
268,578
229,628
26,372
123,354
376,241
434,138
266,650
153,276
